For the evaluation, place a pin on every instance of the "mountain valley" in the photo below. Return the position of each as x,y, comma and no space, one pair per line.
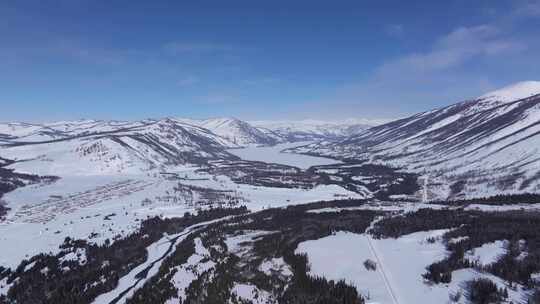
221,210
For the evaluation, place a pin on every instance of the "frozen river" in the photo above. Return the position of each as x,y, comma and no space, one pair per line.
274,155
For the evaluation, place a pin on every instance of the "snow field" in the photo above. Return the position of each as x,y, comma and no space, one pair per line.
273,154
43,215
251,293
401,262
488,253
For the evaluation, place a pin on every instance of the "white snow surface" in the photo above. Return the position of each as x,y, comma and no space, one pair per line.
278,265
457,239
4,286
43,215
393,278
400,265
251,293
513,92
273,154
238,132
487,253
318,127
108,147
241,243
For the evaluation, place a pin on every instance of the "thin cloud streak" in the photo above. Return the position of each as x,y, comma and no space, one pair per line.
195,47
66,50
452,50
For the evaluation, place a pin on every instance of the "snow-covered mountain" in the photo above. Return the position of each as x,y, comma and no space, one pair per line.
32,132
236,131
108,147
309,130
263,133
487,145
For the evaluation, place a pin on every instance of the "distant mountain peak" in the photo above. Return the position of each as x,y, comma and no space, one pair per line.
314,130
234,130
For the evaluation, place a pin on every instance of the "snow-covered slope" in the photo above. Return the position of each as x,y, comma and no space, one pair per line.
513,92
13,130
309,130
487,145
237,131
107,147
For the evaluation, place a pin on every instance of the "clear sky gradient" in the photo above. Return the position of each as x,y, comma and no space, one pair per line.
71,59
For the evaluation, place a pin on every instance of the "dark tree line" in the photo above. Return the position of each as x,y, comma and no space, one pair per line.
383,181
506,199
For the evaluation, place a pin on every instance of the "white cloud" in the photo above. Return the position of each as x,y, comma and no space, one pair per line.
455,67
453,49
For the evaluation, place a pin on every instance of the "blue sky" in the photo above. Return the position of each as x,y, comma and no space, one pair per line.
71,59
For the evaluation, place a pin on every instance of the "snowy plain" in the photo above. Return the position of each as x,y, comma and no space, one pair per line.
273,154
38,223
400,265
487,253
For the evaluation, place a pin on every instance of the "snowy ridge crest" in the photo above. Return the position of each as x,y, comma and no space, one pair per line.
513,92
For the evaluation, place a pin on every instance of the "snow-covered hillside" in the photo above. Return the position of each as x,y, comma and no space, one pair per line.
109,147
479,147
265,133
237,131
309,130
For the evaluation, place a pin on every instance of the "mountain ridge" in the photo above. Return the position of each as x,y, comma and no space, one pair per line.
486,144
237,131
314,130
103,147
